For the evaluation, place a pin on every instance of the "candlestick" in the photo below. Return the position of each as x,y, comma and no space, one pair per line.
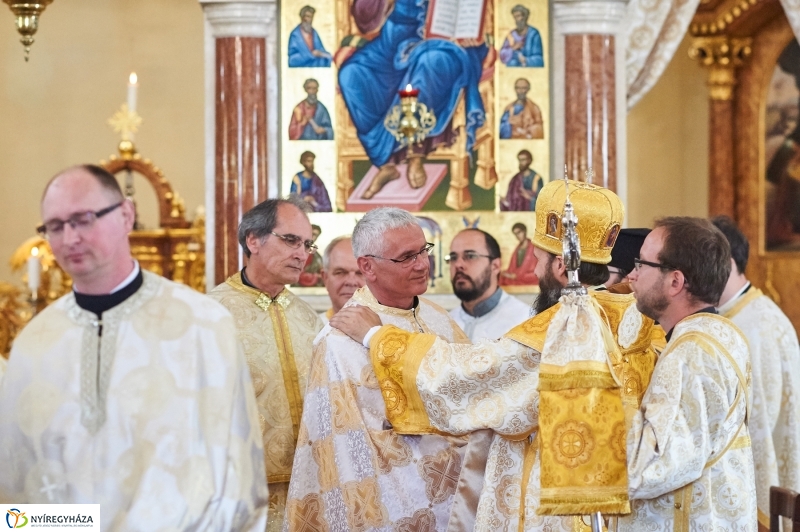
34,272
408,92
132,86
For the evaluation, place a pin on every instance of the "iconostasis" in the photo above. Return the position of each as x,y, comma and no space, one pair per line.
481,68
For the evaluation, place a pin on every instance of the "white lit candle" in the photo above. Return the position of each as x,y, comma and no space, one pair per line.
132,86
34,271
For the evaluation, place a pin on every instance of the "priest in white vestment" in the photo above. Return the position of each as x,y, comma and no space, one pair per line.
775,357
486,310
352,471
131,391
458,389
690,461
276,328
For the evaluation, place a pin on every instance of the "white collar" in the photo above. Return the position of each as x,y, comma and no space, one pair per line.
129,279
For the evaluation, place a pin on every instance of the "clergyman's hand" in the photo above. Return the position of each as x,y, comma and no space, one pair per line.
355,321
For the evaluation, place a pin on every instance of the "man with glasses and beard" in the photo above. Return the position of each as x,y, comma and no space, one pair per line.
276,329
486,311
131,391
690,459
456,389
352,471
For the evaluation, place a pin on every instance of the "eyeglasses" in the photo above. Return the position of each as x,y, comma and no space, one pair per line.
468,256
409,259
638,263
294,242
80,221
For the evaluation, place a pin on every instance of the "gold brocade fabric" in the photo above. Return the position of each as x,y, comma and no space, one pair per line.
277,336
581,418
690,463
352,470
494,385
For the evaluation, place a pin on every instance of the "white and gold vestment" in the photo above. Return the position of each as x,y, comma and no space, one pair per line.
277,335
352,471
690,463
458,389
775,420
155,420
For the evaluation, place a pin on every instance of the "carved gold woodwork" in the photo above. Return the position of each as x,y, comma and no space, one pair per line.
176,249
743,53
721,55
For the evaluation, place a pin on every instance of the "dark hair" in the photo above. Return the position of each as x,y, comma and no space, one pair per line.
520,226
262,219
492,247
593,274
306,154
525,152
740,247
307,8
105,178
700,251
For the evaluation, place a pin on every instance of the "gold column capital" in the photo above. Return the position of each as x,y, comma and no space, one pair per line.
722,55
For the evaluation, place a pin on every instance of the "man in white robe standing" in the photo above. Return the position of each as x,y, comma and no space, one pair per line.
486,310
690,462
352,471
131,391
775,358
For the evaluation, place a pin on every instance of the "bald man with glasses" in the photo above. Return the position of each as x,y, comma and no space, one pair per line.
486,311
131,391
276,328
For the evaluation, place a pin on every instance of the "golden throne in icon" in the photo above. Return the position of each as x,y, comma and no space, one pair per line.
349,148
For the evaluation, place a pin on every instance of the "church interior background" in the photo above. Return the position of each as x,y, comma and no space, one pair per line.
686,147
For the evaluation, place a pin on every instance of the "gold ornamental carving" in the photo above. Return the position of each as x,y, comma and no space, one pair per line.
722,55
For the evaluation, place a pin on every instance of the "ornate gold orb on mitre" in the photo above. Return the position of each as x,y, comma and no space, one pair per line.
600,215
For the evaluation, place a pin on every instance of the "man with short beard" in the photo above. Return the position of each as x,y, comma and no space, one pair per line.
486,311
457,389
690,458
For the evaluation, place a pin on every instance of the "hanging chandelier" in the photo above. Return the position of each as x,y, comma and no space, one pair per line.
27,14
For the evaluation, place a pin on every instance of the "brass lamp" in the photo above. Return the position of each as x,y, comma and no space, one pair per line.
411,121
27,14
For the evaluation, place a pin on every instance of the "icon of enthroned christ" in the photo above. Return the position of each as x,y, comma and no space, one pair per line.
393,52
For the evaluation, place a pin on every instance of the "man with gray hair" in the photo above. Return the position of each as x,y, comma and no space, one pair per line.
352,470
523,46
276,329
340,274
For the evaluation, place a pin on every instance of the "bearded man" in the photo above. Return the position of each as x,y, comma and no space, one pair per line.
689,453
457,389
486,311
352,470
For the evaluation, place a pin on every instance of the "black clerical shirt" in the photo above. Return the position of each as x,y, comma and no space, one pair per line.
101,303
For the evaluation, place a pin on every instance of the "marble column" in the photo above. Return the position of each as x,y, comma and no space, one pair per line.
589,91
241,148
721,55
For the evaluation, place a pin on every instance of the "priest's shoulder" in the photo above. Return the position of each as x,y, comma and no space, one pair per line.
531,332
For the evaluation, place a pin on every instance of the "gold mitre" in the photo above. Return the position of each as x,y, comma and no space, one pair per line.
600,214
